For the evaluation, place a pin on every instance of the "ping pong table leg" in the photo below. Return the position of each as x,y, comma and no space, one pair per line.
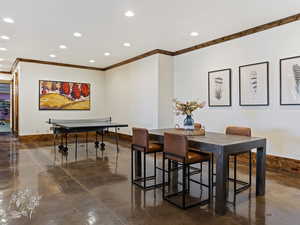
102,141
86,144
61,146
117,138
75,146
96,144
54,145
65,150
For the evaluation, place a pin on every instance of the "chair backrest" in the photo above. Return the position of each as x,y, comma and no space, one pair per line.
242,131
140,137
176,145
197,125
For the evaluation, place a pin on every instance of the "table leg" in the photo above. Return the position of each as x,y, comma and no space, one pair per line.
96,145
65,151
86,144
261,170
117,138
76,147
102,140
61,146
138,164
221,181
54,145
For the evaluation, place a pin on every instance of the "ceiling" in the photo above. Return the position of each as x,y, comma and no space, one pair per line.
41,26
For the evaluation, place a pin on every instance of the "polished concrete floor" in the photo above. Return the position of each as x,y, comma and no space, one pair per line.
38,186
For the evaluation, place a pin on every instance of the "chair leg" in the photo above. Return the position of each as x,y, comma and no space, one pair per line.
155,169
132,159
212,171
201,175
145,169
169,172
228,167
163,192
183,184
250,167
188,178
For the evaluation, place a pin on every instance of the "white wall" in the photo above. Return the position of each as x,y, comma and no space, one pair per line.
280,124
131,93
166,91
31,119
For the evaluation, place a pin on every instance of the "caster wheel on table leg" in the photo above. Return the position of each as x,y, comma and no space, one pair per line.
96,144
65,150
102,146
60,148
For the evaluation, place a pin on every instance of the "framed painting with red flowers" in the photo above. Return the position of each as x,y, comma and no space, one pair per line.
63,95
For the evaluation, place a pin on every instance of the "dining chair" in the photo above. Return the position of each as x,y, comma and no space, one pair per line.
242,131
140,142
176,151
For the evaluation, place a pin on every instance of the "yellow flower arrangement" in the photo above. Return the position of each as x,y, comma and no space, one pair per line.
187,108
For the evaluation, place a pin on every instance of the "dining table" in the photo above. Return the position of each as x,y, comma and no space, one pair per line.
221,146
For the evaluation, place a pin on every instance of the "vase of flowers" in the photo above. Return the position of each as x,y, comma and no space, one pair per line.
187,108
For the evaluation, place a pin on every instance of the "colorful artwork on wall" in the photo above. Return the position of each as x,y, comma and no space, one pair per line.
61,95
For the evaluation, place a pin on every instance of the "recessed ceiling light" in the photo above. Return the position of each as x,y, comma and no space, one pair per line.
3,49
52,55
92,61
126,44
106,53
8,20
77,34
129,14
4,37
194,34
62,46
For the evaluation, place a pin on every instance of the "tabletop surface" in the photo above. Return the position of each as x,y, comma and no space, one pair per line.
211,137
85,123
69,125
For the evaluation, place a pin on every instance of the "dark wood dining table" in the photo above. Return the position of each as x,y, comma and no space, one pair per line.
221,146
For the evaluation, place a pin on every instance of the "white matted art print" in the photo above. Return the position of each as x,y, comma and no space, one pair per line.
290,81
219,88
254,84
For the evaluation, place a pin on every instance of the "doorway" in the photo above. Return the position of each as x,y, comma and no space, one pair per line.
5,112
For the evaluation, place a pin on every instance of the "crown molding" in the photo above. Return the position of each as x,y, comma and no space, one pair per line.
144,55
5,72
15,64
240,34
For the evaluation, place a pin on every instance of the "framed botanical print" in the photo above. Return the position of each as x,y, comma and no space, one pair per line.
290,81
254,84
219,88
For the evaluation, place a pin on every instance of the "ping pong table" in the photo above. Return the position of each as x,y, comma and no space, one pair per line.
99,126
